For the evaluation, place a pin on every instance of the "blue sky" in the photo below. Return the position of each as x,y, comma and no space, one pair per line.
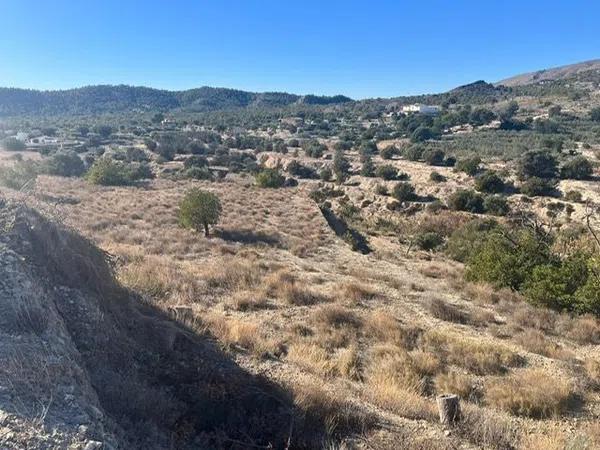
358,48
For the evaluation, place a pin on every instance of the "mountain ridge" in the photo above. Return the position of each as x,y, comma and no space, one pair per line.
96,99
550,74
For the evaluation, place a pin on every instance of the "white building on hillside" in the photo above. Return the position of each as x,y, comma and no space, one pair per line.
422,109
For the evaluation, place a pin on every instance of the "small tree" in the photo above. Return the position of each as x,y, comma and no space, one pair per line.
341,166
538,163
64,164
578,168
489,182
434,157
404,192
270,178
368,168
595,114
470,166
198,209
466,200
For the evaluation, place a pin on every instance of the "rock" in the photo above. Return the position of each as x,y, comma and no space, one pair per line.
93,445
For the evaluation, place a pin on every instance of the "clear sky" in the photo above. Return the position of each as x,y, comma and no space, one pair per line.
358,48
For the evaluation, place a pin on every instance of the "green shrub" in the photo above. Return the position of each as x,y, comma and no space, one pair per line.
195,161
554,285
422,134
270,178
429,240
538,187
578,168
381,189
326,174
404,192
368,168
470,166
507,259
198,209
437,177
341,166
434,157
537,163
389,152
198,173
489,182
108,172
21,174
574,196
595,114
466,240
414,152
496,205
387,172
64,164
466,200
13,144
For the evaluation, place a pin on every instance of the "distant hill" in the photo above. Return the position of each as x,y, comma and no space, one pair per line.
553,74
111,99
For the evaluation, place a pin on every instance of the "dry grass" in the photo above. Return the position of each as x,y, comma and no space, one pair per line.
391,386
477,357
527,316
312,357
233,274
353,293
592,370
445,311
456,383
334,411
336,326
384,328
284,286
248,301
584,330
237,333
536,342
531,393
488,430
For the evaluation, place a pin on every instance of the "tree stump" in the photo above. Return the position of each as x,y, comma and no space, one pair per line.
449,408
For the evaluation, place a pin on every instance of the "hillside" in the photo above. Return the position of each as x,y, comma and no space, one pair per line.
86,365
553,74
114,99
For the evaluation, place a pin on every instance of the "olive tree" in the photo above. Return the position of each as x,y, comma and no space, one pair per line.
198,209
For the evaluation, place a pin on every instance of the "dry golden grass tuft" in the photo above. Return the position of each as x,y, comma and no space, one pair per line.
336,325
536,342
488,430
335,316
592,370
312,357
527,316
247,301
531,393
584,330
484,294
445,311
353,293
283,285
384,328
319,406
456,383
233,273
477,357
237,333
394,385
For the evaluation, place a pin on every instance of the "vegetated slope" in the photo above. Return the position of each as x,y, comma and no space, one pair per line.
553,74
87,365
111,99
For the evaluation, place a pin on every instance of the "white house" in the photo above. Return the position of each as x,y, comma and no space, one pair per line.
422,109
